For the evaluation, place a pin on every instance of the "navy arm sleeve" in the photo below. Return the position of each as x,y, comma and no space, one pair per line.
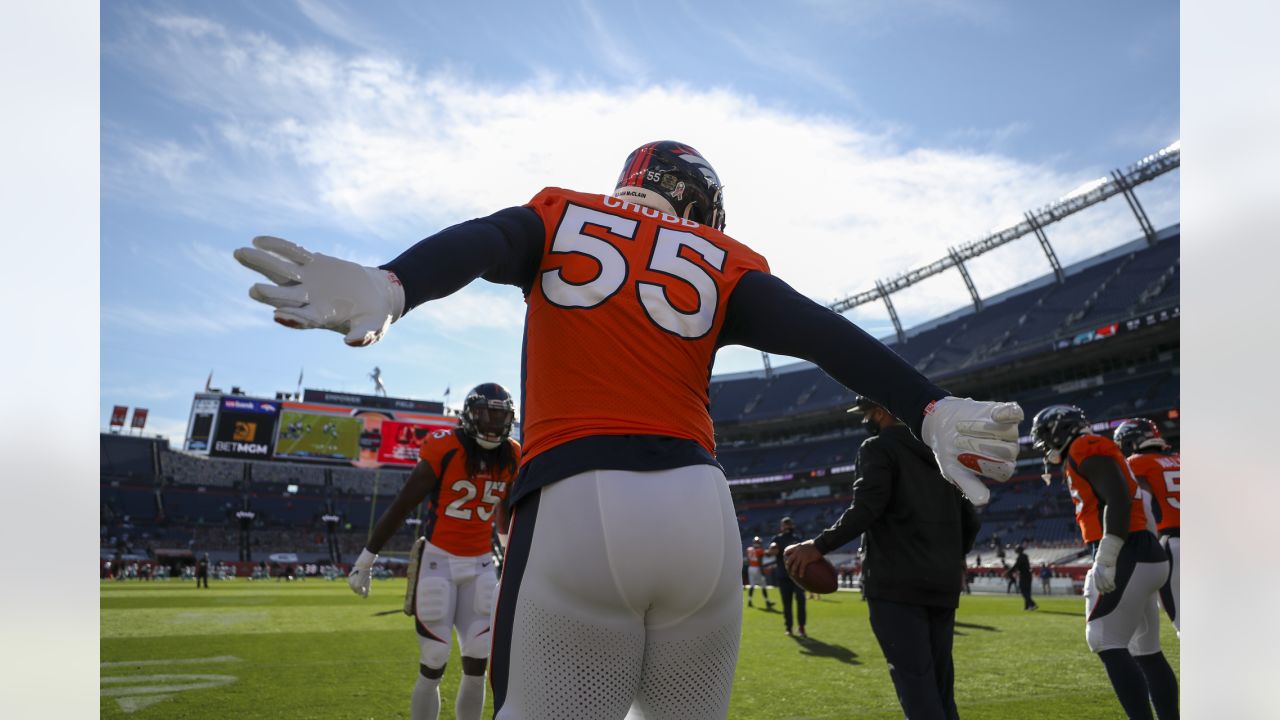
871,494
767,314
503,248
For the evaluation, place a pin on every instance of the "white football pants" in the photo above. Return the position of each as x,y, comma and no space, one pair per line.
619,588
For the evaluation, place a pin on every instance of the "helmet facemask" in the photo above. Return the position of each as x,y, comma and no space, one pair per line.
488,416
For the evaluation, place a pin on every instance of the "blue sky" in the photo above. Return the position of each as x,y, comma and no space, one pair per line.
856,140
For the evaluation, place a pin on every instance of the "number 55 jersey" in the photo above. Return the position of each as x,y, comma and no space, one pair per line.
462,506
623,320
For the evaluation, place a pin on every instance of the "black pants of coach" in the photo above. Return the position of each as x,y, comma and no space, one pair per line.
1024,587
916,641
790,590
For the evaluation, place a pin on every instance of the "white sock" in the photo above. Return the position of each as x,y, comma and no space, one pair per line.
470,697
426,699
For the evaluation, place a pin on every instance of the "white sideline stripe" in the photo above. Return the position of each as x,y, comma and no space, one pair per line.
180,661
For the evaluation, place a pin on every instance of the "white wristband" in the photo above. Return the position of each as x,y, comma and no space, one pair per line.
394,290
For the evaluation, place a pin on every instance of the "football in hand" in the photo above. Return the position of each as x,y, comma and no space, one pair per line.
819,577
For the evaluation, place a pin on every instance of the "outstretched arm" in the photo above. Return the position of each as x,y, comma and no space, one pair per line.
969,438
313,290
767,314
503,248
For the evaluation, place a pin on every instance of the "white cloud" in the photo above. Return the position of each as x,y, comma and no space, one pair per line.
477,306
186,320
389,153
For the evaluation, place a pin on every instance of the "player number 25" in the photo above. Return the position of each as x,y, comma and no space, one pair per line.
665,260
469,490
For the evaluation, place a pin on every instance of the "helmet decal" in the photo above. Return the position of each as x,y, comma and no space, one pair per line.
673,178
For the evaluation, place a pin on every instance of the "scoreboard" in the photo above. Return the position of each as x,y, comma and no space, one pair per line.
324,427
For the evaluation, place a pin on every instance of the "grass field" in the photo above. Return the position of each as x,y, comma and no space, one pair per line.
313,650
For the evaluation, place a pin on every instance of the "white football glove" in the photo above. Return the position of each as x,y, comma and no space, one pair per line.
361,571
312,290
1104,564
972,438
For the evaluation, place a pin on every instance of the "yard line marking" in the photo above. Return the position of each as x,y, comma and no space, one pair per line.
132,695
193,682
181,661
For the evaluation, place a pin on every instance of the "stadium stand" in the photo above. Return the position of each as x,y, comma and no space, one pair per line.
1105,339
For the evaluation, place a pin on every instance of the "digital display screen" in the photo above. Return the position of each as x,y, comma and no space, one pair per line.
401,441
310,436
246,429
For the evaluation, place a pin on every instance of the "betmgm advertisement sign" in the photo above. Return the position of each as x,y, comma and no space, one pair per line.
246,428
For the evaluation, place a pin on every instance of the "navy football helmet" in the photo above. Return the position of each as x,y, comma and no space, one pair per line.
488,413
1138,434
673,178
1053,429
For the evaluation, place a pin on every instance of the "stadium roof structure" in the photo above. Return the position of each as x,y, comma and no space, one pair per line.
1034,222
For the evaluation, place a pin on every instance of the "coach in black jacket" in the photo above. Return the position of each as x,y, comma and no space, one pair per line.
917,535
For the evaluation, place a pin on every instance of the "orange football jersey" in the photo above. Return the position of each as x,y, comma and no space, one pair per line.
462,508
755,555
622,321
1088,507
1162,475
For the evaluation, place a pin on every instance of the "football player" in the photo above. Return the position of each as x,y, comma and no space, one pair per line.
755,574
1157,469
463,474
1129,566
628,298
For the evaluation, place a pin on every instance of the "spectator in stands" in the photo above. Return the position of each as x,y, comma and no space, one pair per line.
916,539
1022,566
786,586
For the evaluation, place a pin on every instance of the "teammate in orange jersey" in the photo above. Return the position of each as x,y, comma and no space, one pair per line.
1158,469
463,474
628,298
1129,566
755,573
